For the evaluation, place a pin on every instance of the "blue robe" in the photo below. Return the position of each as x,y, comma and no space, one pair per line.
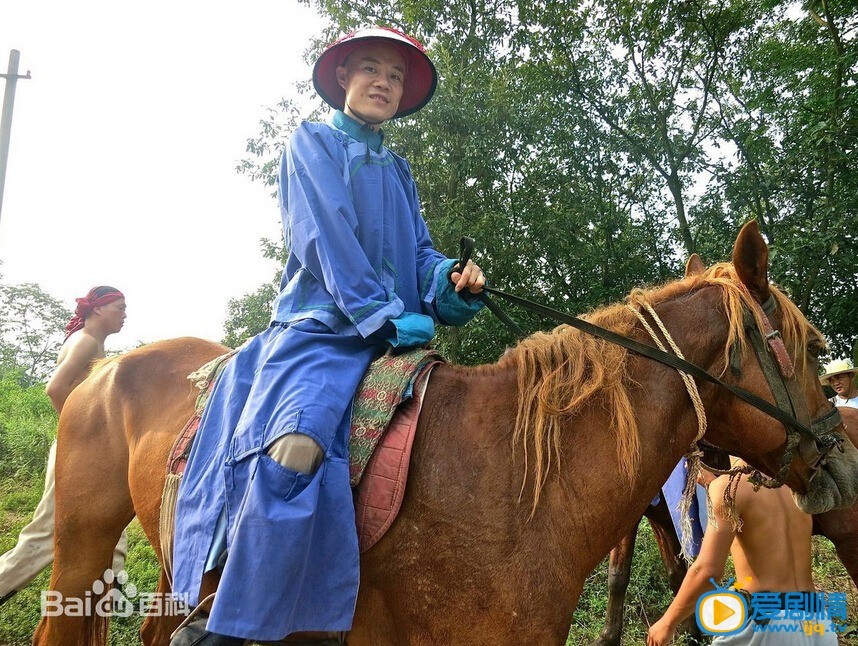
672,492
361,275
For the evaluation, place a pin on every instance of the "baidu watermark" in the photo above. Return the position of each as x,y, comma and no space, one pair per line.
121,600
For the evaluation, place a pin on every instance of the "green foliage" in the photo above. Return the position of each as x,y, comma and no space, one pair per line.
787,107
589,147
31,330
19,616
27,425
251,314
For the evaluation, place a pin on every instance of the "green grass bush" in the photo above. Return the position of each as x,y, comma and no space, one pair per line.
28,425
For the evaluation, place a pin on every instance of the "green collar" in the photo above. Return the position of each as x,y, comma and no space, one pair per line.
357,131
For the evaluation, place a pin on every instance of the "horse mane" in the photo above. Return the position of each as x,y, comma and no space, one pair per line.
564,371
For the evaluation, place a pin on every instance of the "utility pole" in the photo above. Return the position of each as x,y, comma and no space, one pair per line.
6,121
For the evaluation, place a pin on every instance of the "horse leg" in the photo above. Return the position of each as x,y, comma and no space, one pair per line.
619,572
93,506
152,449
147,475
671,555
76,572
157,628
838,526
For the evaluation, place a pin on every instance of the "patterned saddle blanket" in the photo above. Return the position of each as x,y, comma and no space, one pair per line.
384,418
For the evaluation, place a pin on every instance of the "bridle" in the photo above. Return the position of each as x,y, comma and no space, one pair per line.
814,439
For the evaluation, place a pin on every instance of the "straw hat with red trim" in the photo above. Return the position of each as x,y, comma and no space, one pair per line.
420,75
837,367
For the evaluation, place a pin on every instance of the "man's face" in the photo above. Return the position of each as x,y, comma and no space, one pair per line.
373,77
113,315
842,384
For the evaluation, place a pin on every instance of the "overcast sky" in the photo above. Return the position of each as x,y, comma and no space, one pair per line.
123,149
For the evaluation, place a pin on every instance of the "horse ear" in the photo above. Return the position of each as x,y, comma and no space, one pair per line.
751,260
694,266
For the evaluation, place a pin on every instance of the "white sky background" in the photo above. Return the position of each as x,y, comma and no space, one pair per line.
123,149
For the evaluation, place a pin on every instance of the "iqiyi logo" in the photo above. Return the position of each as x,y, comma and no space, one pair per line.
722,611
117,601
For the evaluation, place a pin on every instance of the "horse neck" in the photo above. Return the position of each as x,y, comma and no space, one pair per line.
469,469
591,485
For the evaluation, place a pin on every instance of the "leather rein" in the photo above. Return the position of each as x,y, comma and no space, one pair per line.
815,439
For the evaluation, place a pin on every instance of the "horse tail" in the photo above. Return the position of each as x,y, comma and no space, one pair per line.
95,630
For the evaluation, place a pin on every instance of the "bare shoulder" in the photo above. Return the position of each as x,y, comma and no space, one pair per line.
82,347
740,491
716,490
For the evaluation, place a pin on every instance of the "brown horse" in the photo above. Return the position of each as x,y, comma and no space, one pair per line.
524,473
840,526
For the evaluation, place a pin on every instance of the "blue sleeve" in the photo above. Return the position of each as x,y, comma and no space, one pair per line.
452,307
409,329
319,224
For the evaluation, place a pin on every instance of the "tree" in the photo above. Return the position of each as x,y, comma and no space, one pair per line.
249,315
589,147
31,330
787,104
646,71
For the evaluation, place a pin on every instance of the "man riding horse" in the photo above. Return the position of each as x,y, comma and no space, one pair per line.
266,494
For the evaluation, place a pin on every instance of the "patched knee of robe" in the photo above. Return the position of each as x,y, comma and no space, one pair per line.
297,452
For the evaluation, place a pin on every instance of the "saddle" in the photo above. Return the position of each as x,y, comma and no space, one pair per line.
384,419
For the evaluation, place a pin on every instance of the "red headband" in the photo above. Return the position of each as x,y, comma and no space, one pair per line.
88,303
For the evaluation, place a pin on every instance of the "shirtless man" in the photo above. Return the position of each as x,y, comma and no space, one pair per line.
98,315
771,553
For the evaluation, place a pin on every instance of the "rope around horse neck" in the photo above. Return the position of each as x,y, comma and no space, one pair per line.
693,462
688,380
694,453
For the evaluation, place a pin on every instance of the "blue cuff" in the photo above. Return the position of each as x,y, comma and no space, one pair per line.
452,307
411,330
